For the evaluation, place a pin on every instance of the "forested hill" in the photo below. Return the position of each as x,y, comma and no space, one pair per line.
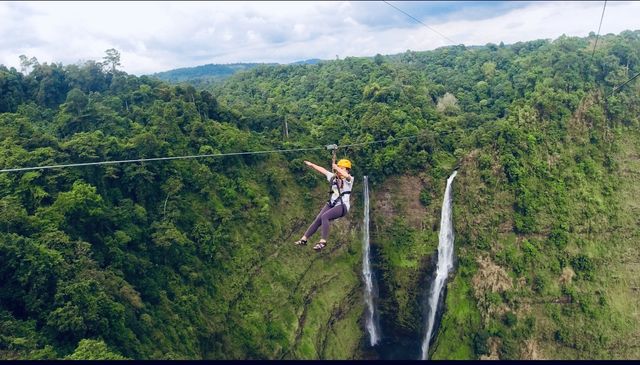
203,75
207,75
195,258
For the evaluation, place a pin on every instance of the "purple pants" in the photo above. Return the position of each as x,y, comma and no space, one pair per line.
326,214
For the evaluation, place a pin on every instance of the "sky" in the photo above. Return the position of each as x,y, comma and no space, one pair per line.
163,35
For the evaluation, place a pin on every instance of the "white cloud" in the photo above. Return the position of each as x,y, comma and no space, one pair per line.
157,36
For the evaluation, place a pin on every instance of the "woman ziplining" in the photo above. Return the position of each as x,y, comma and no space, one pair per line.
341,183
338,205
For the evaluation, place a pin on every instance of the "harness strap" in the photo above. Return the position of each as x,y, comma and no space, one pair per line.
340,195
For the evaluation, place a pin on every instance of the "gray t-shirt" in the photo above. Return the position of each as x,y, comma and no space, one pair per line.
346,186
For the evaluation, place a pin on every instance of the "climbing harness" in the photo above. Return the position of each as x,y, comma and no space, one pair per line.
336,182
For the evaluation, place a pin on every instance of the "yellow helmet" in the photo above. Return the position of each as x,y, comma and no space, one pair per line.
344,164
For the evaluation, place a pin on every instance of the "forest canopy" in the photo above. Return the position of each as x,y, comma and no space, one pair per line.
150,260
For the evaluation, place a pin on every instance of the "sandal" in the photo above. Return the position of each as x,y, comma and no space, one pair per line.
300,242
320,245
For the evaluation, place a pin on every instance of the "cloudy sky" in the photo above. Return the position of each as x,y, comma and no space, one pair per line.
163,35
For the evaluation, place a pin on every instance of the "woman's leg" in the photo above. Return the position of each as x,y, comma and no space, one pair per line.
316,223
331,214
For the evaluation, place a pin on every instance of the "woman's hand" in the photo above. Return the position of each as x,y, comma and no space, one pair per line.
308,163
342,173
337,170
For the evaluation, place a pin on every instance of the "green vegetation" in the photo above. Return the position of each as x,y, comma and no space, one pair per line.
190,259
93,350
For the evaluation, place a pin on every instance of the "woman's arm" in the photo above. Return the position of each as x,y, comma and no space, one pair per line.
342,172
320,169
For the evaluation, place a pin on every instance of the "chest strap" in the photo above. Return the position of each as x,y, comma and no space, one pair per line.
340,194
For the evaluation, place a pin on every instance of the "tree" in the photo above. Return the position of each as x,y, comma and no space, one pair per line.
52,86
26,63
488,69
378,59
79,210
112,58
88,77
448,104
93,350
11,89
76,101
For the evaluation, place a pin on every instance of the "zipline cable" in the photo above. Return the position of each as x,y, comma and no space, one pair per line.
419,21
18,169
626,82
600,26
157,159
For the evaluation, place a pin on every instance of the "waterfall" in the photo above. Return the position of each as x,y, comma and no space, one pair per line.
445,262
367,275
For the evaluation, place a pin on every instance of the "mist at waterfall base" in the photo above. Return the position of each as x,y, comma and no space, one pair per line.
444,265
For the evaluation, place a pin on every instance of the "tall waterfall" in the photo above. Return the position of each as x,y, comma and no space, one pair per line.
445,262
369,294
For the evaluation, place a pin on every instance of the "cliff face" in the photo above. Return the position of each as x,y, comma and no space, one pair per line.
554,293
